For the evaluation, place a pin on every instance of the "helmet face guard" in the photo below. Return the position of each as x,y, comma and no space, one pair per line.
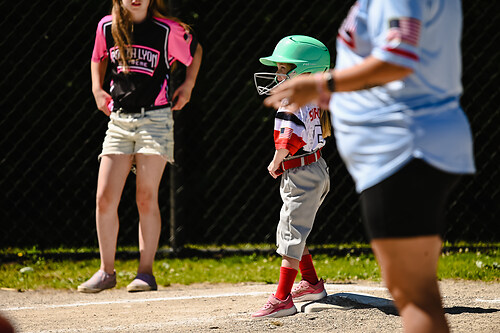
308,54
264,82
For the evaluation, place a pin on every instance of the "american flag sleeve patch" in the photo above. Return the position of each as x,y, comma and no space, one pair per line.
404,29
285,133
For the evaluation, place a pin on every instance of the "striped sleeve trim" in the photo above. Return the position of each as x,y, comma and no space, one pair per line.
290,117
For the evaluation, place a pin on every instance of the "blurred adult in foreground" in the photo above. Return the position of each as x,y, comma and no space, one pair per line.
394,100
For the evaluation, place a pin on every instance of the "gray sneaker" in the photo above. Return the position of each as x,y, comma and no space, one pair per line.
142,282
98,282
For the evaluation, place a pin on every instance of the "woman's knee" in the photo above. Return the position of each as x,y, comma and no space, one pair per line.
105,203
147,201
408,289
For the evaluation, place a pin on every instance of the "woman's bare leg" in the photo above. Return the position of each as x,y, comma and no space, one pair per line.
149,173
409,270
113,172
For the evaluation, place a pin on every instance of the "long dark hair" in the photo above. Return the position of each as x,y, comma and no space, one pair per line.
121,27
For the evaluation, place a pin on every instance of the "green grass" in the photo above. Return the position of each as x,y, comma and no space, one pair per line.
32,271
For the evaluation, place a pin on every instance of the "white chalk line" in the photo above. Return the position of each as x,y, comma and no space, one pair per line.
487,300
328,287
125,301
347,288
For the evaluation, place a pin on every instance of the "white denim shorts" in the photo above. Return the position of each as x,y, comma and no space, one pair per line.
149,132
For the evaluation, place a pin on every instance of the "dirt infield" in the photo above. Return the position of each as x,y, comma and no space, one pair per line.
470,307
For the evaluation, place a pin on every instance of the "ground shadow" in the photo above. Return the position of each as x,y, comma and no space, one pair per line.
466,309
362,301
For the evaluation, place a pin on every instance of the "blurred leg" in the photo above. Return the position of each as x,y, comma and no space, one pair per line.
113,172
409,269
149,173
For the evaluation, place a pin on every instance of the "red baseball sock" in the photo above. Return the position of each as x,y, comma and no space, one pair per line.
285,284
307,269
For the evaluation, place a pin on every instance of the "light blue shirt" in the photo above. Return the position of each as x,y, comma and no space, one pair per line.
379,130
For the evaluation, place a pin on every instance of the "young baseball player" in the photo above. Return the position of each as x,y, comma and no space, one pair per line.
140,44
305,180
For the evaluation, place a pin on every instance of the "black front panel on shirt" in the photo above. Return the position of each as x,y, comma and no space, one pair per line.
147,66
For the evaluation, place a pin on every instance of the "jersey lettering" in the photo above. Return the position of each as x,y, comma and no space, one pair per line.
314,114
142,59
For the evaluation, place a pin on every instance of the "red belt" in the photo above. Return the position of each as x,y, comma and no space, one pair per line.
299,161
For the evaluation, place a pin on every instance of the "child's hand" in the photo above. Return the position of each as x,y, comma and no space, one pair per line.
274,169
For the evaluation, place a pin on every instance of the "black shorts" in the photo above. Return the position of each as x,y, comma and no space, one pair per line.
412,202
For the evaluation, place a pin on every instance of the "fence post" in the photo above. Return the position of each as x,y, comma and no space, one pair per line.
172,220
174,244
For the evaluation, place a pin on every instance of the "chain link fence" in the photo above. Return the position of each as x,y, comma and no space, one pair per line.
219,190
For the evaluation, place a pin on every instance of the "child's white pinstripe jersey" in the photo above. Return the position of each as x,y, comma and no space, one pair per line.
301,129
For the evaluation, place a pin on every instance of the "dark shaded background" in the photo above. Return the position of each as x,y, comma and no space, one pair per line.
52,132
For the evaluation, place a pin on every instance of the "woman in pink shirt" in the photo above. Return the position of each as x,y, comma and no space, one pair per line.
140,44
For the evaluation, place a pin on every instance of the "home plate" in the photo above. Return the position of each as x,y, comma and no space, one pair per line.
365,299
343,301
327,303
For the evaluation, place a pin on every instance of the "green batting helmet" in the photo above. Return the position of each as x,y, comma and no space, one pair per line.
307,53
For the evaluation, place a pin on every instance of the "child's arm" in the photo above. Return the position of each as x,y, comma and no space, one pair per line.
279,156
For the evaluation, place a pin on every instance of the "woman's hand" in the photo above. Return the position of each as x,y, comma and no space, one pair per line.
182,96
293,93
102,99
